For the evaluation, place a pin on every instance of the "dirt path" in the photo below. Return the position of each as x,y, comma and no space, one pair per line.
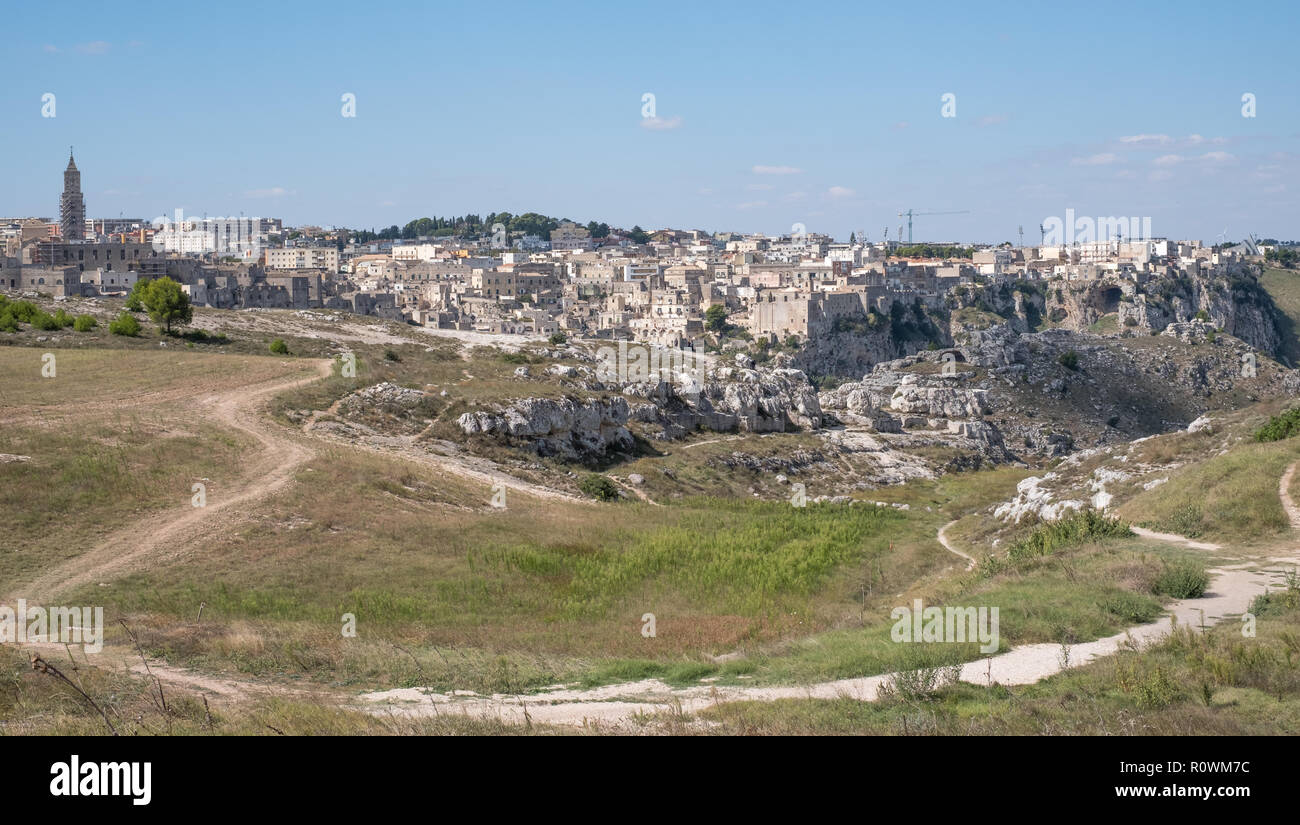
168,535
1283,492
121,658
1233,588
947,545
620,706
477,470
1174,538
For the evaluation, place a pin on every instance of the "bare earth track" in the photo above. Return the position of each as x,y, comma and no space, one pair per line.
135,547
281,451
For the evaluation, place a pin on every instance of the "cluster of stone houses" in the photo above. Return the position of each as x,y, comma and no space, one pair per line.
659,290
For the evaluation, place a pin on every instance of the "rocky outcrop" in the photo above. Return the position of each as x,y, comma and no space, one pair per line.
938,401
731,399
889,390
565,427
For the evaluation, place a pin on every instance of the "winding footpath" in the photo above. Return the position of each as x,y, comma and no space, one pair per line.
282,451
168,535
948,545
1233,588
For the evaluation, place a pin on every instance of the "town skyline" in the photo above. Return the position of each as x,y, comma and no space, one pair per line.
1051,230
754,131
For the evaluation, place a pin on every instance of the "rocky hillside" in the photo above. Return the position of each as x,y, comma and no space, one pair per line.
1230,298
1049,393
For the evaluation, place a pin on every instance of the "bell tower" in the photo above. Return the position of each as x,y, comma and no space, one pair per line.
72,206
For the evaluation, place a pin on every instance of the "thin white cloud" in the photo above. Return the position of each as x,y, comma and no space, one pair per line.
1103,159
840,192
93,47
751,205
1217,157
1168,160
777,170
661,124
1159,140
50,49
991,120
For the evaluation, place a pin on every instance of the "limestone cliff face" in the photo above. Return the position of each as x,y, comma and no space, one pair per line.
851,353
730,400
1229,297
733,399
565,427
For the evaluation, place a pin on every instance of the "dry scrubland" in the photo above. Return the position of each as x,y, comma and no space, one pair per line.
451,594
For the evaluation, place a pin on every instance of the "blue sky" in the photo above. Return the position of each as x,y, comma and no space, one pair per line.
768,114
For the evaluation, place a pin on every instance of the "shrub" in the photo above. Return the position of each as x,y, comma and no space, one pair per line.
391,355
1187,520
63,319
1156,690
125,325
23,311
1182,580
8,323
558,339
45,321
1283,425
598,487
1069,359
1076,528
84,323
200,336
279,347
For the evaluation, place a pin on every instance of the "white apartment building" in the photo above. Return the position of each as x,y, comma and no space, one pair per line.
227,237
304,257
416,252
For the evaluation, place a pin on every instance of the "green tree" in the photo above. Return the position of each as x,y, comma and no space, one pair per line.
167,303
715,318
133,300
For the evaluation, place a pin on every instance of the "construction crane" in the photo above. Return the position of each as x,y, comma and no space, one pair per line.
909,214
